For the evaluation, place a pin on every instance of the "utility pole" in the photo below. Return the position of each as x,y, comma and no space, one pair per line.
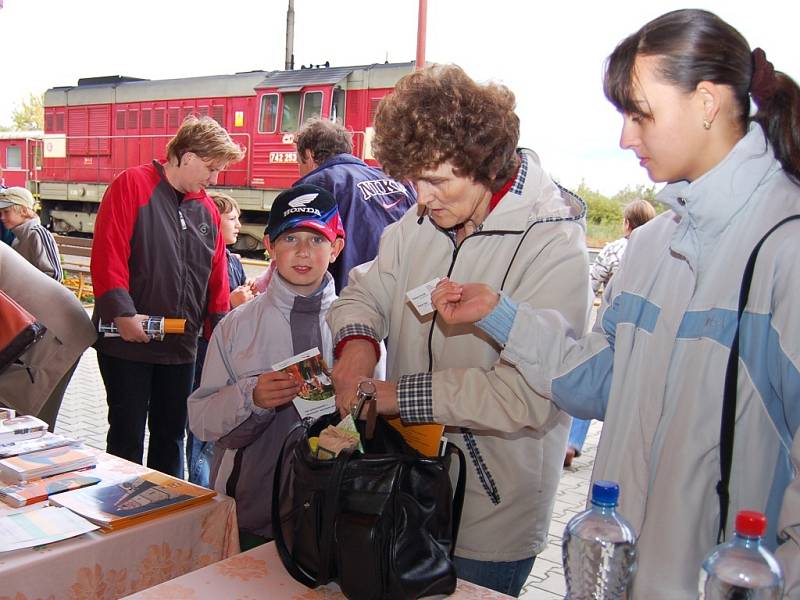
289,63
422,19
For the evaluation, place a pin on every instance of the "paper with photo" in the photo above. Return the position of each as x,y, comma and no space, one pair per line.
41,526
317,396
420,297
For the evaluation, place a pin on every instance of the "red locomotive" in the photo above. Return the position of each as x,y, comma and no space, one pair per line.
103,125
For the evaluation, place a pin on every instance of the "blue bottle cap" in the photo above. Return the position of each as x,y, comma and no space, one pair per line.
605,493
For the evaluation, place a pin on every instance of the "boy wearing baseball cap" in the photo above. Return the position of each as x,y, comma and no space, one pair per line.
242,405
33,241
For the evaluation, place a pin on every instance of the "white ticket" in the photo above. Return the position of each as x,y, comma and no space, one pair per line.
420,297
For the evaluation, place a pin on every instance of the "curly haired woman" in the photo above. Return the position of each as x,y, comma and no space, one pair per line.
486,212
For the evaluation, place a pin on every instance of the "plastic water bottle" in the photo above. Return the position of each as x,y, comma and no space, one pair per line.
742,569
599,549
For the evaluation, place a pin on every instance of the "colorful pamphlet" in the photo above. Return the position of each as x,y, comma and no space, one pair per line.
44,463
21,428
48,440
22,494
133,500
317,396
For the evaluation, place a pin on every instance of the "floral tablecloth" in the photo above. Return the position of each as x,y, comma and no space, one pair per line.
258,574
98,566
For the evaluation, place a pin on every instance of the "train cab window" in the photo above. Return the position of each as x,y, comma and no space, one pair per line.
337,106
13,157
312,105
291,112
268,119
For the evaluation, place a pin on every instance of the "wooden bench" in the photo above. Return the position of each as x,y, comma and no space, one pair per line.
70,248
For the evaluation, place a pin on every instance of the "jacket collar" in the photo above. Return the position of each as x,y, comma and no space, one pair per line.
285,299
339,159
707,205
533,197
159,167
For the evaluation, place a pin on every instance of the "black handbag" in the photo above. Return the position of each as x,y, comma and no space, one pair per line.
19,330
381,524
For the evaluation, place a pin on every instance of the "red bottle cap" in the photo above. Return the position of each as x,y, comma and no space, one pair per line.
751,523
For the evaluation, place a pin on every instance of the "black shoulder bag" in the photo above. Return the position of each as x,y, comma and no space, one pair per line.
383,524
728,422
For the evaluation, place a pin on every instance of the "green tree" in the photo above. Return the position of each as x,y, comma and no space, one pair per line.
29,115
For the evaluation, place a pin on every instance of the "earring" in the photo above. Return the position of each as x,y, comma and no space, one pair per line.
706,124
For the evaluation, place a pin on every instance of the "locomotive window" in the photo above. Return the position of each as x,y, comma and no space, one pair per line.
13,157
158,118
146,118
337,106
269,113
133,119
120,119
312,106
291,112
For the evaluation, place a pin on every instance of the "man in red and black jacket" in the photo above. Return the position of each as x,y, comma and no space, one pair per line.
158,251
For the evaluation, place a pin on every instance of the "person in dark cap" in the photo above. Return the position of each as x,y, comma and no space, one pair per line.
243,405
368,199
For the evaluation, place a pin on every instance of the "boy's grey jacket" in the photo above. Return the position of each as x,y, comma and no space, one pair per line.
272,327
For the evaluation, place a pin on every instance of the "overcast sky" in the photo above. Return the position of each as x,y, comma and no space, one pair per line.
549,53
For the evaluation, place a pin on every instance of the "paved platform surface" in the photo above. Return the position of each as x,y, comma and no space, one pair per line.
83,415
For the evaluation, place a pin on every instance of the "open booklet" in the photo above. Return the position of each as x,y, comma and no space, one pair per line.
316,396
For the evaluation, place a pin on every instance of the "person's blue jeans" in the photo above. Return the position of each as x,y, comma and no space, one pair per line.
504,577
577,434
199,455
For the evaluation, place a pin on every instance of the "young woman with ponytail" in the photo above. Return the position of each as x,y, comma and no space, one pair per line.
718,124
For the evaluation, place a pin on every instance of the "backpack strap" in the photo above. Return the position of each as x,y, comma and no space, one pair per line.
728,421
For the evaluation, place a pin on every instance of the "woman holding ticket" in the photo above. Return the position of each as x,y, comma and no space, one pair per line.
486,212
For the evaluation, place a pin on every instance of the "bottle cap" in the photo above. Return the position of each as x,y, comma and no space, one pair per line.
751,523
605,493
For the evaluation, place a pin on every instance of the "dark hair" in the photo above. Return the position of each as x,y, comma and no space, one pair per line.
696,45
324,138
638,212
440,114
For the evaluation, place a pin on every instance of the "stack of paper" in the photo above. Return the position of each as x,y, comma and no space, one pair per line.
44,463
133,500
48,440
40,526
21,428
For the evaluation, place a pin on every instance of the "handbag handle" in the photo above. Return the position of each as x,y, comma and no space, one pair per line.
728,420
458,494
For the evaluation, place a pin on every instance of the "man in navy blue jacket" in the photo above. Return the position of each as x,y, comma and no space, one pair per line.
368,199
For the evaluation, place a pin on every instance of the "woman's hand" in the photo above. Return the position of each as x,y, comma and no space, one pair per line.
356,363
131,329
274,389
240,295
463,303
